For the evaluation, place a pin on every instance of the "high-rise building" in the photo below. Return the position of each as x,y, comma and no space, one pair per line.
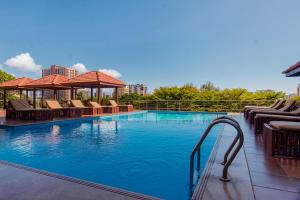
65,71
298,90
140,89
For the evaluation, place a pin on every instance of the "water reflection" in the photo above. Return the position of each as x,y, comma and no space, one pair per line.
54,137
23,144
105,127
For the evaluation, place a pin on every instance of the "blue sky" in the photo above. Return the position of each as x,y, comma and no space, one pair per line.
233,43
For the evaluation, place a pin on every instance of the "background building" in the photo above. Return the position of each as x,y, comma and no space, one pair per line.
65,71
124,90
298,90
140,89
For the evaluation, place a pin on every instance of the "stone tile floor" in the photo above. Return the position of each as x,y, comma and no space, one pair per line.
272,178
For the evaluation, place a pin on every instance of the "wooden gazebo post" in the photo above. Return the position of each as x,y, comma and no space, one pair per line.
43,97
34,98
26,95
72,93
4,98
99,94
91,93
55,94
20,93
116,95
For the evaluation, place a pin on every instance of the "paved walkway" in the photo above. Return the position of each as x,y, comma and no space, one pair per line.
22,183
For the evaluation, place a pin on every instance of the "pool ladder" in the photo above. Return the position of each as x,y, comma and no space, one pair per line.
226,162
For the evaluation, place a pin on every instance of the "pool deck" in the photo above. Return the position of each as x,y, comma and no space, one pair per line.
254,175
19,182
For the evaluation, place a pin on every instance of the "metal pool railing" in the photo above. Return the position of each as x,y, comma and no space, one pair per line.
230,151
197,105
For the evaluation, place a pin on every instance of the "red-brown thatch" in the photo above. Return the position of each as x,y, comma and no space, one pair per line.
48,82
18,83
94,78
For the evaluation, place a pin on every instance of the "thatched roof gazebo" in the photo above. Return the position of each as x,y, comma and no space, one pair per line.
50,82
94,79
16,84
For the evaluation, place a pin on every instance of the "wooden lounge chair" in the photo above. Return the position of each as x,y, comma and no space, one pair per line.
282,138
105,109
122,108
22,110
86,110
287,107
60,112
249,108
279,105
261,119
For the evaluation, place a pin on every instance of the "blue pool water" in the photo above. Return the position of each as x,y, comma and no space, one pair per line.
145,152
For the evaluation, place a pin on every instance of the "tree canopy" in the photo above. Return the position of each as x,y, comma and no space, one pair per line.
207,91
5,76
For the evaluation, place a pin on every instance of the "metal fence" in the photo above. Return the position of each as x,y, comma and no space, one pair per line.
197,105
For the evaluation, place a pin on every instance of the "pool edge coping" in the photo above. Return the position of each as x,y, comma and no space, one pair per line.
202,182
82,182
3,126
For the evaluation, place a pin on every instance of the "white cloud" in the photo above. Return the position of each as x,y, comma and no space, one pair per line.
23,62
1,67
12,74
80,68
111,72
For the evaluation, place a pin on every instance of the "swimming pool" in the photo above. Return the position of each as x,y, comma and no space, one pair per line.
145,152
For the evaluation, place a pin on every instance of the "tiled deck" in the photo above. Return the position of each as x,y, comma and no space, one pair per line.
254,175
18,182
272,178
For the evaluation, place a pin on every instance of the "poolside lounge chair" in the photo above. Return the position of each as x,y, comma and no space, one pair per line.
22,110
287,107
279,105
122,108
59,111
105,109
249,108
261,119
282,138
86,110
